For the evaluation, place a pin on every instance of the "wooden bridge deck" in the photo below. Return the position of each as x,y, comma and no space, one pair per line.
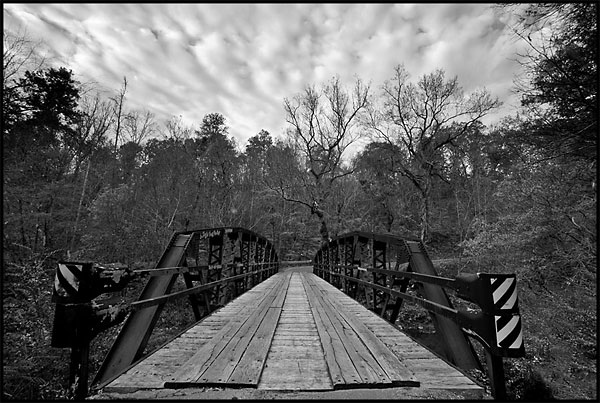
292,332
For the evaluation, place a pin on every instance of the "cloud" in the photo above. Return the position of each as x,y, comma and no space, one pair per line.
242,60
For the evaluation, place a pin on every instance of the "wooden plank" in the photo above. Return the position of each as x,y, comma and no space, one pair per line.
282,292
368,368
296,320
292,333
191,371
309,342
222,369
297,328
223,366
304,366
431,371
295,374
296,352
159,366
341,368
250,367
251,364
295,361
398,372
292,336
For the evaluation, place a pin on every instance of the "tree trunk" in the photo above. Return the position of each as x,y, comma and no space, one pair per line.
323,230
425,211
85,179
389,217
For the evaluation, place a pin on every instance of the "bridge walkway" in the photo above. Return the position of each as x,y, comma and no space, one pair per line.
292,332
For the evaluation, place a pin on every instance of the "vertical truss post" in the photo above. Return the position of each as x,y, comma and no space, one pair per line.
238,260
259,258
348,261
335,259
192,252
379,262
215,258
193,298
369,292
245,252
354,272
403,283
227,266
318,263
251,260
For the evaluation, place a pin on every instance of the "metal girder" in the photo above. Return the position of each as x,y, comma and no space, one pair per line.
217,256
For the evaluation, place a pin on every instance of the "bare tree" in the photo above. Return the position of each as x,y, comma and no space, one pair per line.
19,54
420,120
323,126
176,129
119,100
138,126
95,120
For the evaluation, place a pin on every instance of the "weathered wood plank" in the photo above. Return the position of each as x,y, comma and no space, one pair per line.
433,372
295,374
295,362
398,373
341,368
304,366
312,342
368,368
251,364
190,372
296,352
253,344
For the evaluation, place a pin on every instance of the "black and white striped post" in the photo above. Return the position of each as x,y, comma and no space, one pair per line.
498,326
508,336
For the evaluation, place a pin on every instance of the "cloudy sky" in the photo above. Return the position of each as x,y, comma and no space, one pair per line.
242,60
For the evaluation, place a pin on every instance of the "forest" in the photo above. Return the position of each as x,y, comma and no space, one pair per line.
86,177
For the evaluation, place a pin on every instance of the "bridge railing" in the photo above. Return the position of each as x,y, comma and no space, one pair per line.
216,264
377,270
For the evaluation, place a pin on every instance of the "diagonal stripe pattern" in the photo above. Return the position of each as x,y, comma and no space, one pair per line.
504,293
66,282
509,333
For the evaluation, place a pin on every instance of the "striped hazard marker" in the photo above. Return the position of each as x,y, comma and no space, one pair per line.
509,333
67,279
504,292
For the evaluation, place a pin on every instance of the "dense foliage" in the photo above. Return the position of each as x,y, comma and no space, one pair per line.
517,197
